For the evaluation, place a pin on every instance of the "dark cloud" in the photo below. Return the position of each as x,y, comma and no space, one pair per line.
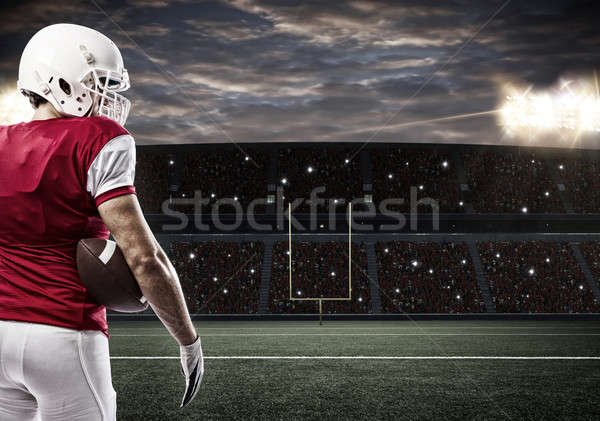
283,70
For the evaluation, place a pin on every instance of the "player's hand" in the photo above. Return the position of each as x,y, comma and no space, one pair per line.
192,365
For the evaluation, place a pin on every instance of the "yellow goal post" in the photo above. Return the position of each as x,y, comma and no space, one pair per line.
321,299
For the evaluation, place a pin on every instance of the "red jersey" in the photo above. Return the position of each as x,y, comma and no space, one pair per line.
53,176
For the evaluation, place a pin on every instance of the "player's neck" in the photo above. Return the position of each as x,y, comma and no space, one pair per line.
45,112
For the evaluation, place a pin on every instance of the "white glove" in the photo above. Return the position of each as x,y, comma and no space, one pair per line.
192,364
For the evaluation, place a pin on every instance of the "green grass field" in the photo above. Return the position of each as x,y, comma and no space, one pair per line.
404,387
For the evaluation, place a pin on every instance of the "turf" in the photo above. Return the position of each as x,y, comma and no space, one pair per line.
363,388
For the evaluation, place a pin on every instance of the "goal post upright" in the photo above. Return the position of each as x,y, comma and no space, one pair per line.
290,247
320,312
290,272
350,250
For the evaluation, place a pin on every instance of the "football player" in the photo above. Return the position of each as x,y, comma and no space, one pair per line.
66,175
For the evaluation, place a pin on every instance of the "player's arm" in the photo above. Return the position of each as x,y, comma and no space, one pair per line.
149,264
158,281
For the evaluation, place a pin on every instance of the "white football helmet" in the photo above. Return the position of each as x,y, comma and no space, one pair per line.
78,70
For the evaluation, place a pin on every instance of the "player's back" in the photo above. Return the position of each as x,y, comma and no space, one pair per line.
45,208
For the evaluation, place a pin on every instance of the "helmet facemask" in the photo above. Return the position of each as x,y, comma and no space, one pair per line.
104,85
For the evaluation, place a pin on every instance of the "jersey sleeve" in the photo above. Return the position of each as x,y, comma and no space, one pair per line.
112,172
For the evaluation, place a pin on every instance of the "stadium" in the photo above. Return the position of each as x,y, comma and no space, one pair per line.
368,220
493,314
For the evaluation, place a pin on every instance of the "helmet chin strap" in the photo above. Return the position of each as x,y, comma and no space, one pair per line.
89,111
89,58
93,110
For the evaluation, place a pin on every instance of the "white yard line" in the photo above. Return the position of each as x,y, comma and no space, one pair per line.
358,357
360,334
292,327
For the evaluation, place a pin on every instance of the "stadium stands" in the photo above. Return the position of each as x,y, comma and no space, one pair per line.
591,253
219,277
319,270
500,181
395,170
224,174
510,181
303,169
503,180
152,180
535,277
414,277
427,277
582,182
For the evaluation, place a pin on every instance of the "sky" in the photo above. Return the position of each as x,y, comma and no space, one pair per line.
319,71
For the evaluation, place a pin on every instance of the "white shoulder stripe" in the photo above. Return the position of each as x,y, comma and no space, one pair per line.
113,167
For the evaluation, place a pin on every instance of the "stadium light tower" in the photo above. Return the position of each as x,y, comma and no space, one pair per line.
572,106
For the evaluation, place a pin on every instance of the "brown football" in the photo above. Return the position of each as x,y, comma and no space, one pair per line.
106,276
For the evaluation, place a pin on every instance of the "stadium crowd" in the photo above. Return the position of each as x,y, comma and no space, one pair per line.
319,270
510,181
582,182
396,170
591,253
427,277
507,180
152,180
217,276
225,176
535,277
414,277
301,170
